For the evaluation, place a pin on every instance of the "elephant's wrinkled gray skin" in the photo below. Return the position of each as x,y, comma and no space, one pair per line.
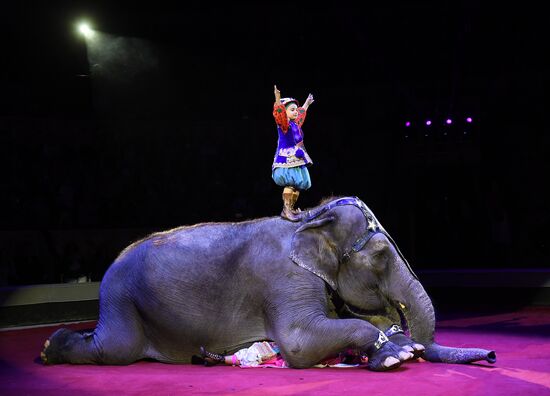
226,285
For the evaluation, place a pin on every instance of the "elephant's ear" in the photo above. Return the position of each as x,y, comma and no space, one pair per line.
313,249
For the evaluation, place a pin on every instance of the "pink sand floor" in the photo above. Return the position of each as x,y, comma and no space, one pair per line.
521,339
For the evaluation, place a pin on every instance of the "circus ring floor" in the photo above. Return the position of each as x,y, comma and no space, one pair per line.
520,337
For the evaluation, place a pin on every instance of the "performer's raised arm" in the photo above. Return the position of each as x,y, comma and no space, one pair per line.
302,111
279,111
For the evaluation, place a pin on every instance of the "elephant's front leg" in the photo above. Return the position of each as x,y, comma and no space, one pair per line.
306,342
389,323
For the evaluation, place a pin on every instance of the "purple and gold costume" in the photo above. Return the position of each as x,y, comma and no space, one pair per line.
290,148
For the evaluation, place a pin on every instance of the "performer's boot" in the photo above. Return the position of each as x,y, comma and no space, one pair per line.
295,195
288,212
210,358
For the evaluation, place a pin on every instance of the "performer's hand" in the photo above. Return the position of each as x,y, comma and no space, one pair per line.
308,101
277,95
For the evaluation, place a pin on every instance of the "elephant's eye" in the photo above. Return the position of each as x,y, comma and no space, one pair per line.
379,256
378,260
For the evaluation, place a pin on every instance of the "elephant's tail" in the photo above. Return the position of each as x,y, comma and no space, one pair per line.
439,353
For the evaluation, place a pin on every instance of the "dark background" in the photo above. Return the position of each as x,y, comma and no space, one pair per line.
164,119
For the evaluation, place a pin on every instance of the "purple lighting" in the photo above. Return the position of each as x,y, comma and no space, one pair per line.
469,119
428,123
449,121
408,124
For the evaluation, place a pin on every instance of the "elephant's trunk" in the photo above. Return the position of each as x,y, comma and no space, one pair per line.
419,314
418,310
438,353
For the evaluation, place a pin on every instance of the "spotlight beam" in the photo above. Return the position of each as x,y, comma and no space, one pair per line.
85,30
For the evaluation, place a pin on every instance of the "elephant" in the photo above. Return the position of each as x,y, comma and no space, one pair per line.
334,280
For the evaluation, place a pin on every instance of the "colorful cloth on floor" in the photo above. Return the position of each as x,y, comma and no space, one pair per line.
267,354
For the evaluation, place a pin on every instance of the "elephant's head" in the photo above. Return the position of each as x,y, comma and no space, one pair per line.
343,243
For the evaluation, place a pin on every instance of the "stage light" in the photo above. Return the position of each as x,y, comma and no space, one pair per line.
408,124
85,30
449,121
469,119
428,123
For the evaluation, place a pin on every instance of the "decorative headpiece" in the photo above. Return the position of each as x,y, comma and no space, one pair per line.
287,101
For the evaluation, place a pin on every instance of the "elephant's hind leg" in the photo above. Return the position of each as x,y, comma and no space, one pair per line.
118,339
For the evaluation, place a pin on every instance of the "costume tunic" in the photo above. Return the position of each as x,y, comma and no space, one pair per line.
290,147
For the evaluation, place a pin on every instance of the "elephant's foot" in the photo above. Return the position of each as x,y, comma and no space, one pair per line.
51,354
408,345
388,357
396,335
43,355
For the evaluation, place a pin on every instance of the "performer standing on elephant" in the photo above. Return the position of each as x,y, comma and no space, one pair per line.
291,160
